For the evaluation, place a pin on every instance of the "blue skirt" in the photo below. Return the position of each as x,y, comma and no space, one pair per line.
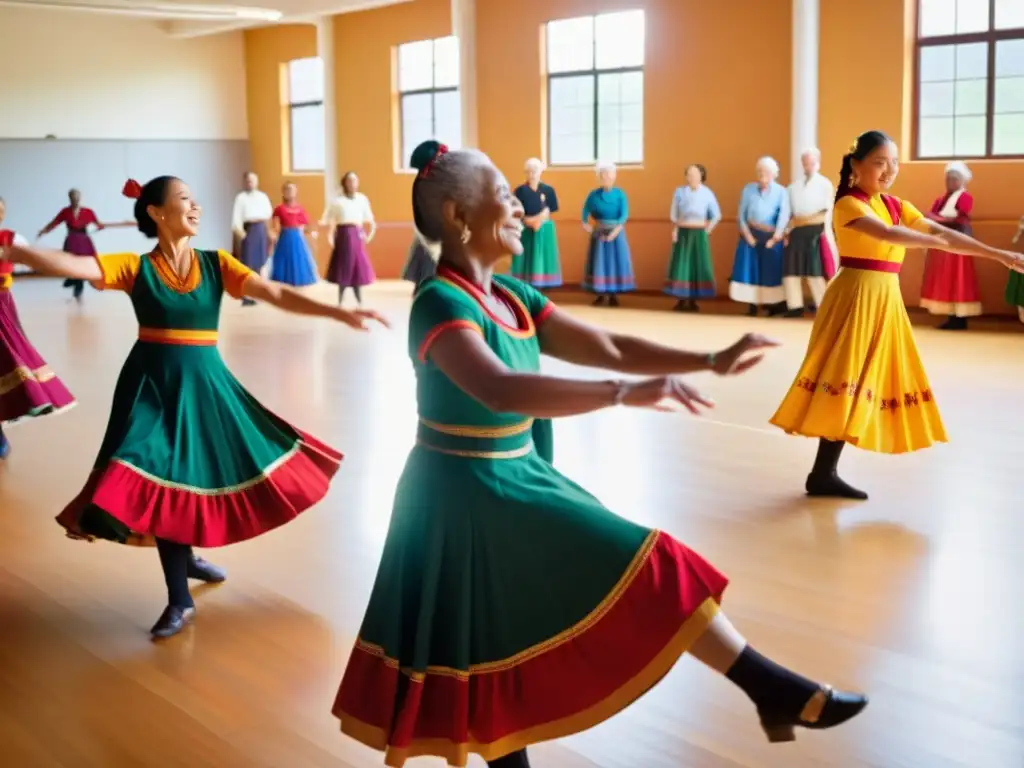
757,272
609,266
293,263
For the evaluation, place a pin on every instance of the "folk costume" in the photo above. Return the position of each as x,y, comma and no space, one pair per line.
757,269
350,265
538,264
691,275
77,241
292,262
810,200
609,267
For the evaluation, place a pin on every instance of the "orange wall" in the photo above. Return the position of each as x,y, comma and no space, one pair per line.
859,93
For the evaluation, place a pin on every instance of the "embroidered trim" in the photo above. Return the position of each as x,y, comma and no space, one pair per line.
908,400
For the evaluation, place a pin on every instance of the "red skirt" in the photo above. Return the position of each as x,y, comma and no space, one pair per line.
950,285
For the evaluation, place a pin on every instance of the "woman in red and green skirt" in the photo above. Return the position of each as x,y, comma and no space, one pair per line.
189,458
510,606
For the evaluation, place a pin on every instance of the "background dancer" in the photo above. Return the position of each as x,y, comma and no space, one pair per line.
810,200
189,458
556,613
695,213
349,218
538,264
292,263
763,216
249,218
609,268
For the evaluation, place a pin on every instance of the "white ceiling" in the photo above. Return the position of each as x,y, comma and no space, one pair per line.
195,18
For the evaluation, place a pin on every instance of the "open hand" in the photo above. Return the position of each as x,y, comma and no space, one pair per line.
732,361
358,318
665,393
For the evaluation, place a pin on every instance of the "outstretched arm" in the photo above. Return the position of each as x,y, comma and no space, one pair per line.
894,234
54,263
958,242
287,299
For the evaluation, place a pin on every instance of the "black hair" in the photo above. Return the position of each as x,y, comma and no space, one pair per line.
701,168
865,144
421,157
343,179
154,193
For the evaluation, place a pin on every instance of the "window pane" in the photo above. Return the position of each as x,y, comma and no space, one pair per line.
417,122
971,97
938,63
935,137
969,136
305,80
1009,14
570,44
448,118
620,114
972,16
446,62
938,17
936,99
1009,58
307,135
619,39
1010,94
972,61
571,119
1008,135
415,66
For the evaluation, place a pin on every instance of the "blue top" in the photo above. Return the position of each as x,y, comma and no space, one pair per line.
697,204
608,207
770,207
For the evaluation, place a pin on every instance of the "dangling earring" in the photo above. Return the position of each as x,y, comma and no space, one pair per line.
466,234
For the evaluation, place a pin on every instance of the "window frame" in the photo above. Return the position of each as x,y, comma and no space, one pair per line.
433,92
300,105
990,37
595,73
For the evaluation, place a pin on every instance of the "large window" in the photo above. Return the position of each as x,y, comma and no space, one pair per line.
970,78
306,115
428,87
596,89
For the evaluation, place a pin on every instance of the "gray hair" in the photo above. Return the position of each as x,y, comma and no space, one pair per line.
604,165
813,152
453,176
534,164
768,163
959,167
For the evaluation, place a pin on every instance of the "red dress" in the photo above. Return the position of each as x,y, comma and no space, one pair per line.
950,285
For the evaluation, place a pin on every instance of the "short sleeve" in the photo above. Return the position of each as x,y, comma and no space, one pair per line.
89,216
278,213
234,274
848,209
435,311
552,201
913,218
537,304
119,271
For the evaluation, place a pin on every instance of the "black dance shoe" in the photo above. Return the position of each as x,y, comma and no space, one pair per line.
832,486
794,313
203,570
172,621
827,708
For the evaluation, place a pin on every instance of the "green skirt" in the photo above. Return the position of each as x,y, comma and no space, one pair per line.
690,273
538,264
1015,290
191,457
512,607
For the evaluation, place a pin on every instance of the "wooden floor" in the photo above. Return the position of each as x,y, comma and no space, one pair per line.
916,596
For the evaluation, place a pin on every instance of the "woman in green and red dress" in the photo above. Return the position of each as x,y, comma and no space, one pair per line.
189,458
510,606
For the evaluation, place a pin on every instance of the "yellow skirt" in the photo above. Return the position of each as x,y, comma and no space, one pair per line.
862,380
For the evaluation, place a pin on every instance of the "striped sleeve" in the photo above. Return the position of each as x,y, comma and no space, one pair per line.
435,312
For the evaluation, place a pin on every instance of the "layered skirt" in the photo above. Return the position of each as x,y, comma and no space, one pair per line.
420,264
350,265
690,272
27,385
525,612
538,264
757,272
190,456
254,249
609,267
862,380
292,262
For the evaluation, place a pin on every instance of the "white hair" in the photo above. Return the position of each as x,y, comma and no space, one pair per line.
604,165
455,176
813,151
768,163
959,167
534,164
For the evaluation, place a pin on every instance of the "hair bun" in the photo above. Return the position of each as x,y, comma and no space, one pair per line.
424,154
132,189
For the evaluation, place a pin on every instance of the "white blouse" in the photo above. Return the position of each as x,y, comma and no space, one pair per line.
808,197
250,206
343,210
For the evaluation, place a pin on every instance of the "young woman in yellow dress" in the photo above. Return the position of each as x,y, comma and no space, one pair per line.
862,381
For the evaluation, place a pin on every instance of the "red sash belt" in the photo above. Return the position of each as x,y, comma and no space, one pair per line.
872,265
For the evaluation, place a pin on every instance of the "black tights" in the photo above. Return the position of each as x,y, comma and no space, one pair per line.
175,559
826,462
514,760
76,286
355,289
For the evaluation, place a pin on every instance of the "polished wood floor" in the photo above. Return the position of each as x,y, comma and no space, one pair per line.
916,596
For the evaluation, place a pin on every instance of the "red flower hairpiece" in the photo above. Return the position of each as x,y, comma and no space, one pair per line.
132,189
442,149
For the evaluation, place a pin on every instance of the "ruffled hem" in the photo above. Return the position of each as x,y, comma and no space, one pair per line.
662,604
154,508
35,393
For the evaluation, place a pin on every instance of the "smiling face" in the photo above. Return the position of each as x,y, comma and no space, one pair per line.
179,215
495,220
877,171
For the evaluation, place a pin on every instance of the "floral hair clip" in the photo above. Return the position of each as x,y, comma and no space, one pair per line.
853,147
442,149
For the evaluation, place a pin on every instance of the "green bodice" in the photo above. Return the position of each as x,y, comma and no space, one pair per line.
159,306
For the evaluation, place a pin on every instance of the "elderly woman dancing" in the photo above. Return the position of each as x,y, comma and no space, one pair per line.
763,216
609,269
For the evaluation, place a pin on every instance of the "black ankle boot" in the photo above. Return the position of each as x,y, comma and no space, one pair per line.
827,708
174,619
203,570
824,480
794,313
514,760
